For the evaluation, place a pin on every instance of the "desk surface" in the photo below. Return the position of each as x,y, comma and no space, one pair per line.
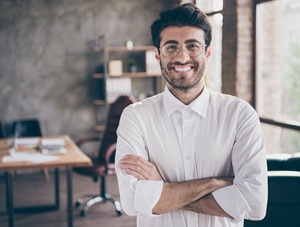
73,158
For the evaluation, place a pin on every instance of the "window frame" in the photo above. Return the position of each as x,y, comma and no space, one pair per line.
280,123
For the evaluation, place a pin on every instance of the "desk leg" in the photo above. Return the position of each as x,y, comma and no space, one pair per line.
57,187
69,197
9,198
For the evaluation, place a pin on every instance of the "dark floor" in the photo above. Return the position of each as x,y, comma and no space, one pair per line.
32,189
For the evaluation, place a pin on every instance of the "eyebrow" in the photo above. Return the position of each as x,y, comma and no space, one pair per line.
192,41
170,41
186,42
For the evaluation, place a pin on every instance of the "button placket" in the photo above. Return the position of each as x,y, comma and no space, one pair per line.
187,144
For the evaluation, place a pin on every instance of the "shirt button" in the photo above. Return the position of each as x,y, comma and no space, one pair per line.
187,157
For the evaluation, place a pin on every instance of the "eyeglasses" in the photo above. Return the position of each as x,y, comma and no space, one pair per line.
171,50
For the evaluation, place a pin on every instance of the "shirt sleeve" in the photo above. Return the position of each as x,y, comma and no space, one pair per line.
137,197
247,197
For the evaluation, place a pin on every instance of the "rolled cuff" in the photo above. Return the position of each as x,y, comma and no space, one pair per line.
237,207
147,194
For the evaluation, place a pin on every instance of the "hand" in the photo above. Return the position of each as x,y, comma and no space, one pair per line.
140,168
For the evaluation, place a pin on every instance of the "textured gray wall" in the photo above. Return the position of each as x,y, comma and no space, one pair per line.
45,63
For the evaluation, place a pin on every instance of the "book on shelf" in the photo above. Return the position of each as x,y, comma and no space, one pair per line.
116,87
152,66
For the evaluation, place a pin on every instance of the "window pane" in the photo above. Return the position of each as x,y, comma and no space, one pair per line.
278,60
209,6
213,76
281,140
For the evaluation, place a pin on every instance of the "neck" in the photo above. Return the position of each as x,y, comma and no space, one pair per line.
187,96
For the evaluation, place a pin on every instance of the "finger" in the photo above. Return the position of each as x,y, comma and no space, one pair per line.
137,161
141,166
136,158
133,166
135,174
139,170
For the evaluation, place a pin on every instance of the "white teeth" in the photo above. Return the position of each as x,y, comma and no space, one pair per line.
180,69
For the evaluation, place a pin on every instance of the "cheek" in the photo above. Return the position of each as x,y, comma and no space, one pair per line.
164,63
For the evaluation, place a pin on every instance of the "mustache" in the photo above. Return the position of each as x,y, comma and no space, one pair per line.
172,64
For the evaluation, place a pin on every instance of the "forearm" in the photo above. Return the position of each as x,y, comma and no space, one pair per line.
178,195
207,205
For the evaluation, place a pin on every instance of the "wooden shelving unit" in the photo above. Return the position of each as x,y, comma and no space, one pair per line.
105,53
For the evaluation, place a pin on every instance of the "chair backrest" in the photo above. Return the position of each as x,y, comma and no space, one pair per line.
1,131
276,162
112,123
26,128
293,163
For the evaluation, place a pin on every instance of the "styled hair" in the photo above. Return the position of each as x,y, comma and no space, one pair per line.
178,16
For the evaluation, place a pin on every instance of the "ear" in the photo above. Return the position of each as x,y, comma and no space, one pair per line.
208,52
157,57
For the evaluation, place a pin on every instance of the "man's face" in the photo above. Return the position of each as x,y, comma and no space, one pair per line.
183,71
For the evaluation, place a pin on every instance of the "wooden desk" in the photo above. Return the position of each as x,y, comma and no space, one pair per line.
73,158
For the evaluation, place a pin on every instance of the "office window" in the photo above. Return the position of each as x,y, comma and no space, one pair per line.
278,72
213,72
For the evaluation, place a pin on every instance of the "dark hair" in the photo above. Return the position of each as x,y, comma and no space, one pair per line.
178,16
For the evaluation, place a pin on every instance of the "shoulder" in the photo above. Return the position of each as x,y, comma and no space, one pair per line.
231,106
145,106
228,100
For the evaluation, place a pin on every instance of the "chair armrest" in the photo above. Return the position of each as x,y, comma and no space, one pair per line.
110,150
110,166
85,140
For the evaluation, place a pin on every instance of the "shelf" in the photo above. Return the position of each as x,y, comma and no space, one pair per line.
99,102
138,74
109,86
135,74
99,128
98,75
123,48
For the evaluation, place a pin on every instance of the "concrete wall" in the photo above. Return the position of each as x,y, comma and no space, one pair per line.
45,62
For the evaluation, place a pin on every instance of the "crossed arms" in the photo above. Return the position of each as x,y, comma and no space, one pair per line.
143,191
194,195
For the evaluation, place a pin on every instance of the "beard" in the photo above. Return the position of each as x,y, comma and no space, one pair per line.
182,82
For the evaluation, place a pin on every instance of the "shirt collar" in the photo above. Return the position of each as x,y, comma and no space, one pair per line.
199,105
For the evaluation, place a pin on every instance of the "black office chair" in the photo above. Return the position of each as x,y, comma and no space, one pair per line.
293,162
283,201
28,128
1,131
103,164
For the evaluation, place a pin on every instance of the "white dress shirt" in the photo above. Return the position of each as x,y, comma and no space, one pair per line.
215,136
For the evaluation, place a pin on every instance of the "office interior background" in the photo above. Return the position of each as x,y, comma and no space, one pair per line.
47,65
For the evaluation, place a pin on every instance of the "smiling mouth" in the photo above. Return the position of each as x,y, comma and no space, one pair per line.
178,68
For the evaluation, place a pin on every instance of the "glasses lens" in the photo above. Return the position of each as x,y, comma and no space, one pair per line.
194,49
172,50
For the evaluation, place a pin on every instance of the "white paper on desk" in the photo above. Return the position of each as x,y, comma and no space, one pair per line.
49,142
54,151
29,157
26,141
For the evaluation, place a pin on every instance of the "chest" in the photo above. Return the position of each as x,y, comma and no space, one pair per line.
189,147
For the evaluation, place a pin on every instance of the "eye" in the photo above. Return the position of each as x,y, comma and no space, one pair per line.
193,46
171,47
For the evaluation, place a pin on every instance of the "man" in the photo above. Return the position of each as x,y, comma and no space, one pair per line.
190,157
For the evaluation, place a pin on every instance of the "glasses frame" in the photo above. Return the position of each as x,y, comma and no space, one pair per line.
179,49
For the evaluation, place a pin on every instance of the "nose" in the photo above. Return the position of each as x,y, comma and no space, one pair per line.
183,55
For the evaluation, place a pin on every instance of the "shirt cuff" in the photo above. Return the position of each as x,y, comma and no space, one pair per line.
233,202
147,194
